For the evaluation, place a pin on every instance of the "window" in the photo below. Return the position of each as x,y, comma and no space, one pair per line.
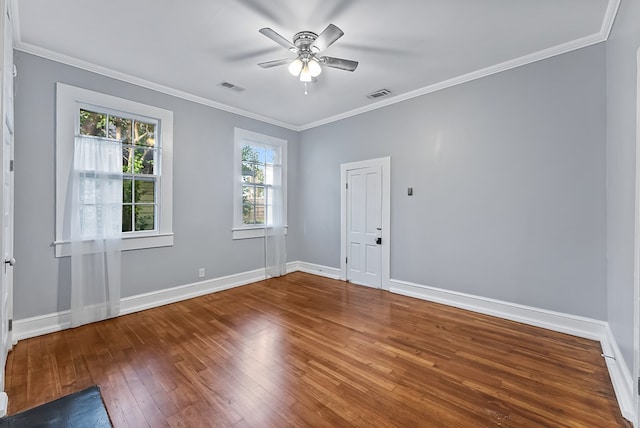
138,144
260,168
143,139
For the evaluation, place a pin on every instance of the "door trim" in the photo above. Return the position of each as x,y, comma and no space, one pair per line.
385,262
636,263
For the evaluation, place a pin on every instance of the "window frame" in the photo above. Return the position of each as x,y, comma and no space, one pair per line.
242,137
69,100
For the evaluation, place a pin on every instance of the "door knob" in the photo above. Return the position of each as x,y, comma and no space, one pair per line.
9,261
378,241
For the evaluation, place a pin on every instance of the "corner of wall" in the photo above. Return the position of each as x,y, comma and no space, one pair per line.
619,373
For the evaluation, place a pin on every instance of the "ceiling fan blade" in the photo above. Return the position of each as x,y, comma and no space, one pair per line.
342,64
275,63
277,38
328,37
250,54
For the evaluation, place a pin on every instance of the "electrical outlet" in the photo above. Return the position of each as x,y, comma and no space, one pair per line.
201,273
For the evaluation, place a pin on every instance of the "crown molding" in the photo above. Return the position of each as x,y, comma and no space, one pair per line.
607,24
609,17
107,72
474,75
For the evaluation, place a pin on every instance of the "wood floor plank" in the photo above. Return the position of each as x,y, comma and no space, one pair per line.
301,350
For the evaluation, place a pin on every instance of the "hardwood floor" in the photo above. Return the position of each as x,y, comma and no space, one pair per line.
308,351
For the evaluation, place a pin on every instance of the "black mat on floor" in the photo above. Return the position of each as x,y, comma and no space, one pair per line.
79,410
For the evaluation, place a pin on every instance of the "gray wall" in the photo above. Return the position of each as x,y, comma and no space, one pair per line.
203,188
508,175
509,185
622,46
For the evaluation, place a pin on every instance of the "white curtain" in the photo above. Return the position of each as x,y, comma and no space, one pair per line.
95,229
275,251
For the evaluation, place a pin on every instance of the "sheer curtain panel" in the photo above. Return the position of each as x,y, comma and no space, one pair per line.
274,239
95,209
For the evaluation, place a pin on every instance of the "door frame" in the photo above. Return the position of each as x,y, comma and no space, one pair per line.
636,261
385,251
6,114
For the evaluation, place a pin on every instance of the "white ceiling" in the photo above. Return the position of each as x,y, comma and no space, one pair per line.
410,47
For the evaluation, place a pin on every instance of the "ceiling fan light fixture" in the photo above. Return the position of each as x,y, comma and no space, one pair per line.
305,74
314,68
295,67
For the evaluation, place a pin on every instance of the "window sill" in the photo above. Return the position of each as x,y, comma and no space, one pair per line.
63,248
251,232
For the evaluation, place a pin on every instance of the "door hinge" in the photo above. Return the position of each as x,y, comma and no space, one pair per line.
10,325
346,259
346,186
11,165
14,70
639,386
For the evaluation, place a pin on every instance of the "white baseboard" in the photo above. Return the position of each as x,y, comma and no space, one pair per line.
556,321
293,267
326,271
39,325
171,295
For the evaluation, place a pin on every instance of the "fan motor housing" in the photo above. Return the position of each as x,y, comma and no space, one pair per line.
304,39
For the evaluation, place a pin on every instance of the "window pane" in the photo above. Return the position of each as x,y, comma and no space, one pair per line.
92,123
127,159
251,153
259,195
258,173
252,172
248,194
126,218
144,134
247,172
261,154
127,190
259,214
145,191
143,161
145,217
268,174
248,214
270,156
120,129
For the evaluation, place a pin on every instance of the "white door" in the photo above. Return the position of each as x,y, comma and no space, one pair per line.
364,226
6,210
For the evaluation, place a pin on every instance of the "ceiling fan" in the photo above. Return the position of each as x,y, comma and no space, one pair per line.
307,45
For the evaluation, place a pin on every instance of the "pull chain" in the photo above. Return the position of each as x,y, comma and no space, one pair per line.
305,89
